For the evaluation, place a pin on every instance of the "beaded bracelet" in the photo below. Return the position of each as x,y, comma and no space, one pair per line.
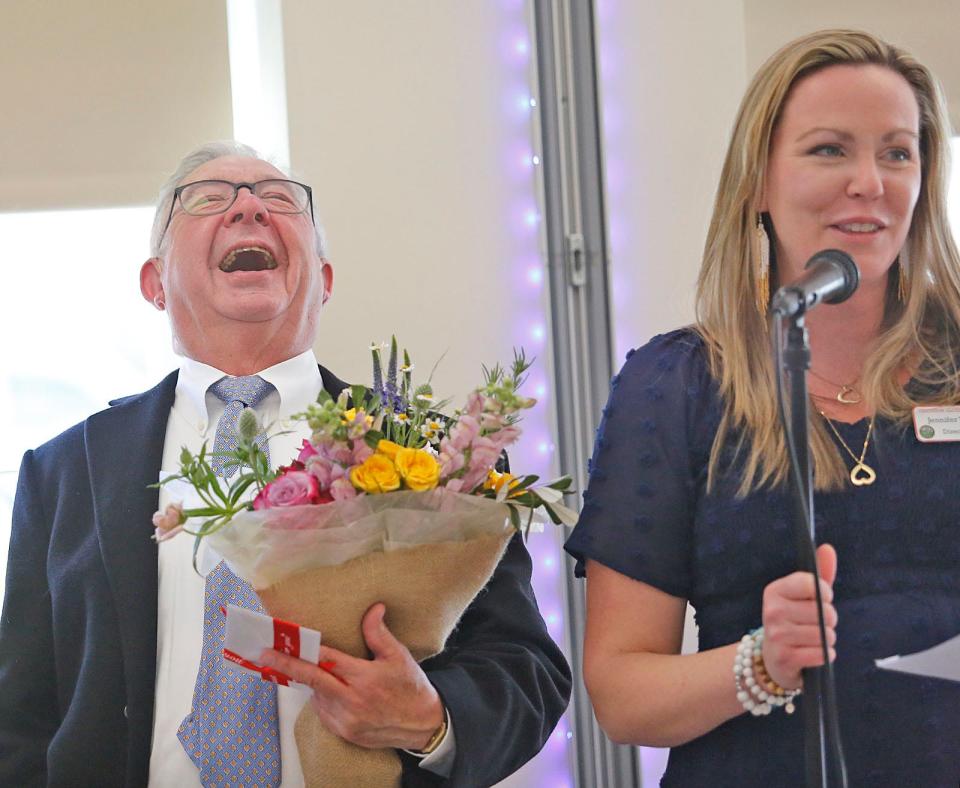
757,692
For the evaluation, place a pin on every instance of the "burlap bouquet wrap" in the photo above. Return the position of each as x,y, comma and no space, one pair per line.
425,555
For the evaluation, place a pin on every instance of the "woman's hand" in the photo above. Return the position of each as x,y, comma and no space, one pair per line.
791,635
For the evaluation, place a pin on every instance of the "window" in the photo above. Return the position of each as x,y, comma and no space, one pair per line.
76,332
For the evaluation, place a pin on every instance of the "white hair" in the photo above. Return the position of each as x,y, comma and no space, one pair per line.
201,155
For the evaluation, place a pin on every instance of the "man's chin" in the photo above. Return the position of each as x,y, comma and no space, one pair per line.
254,307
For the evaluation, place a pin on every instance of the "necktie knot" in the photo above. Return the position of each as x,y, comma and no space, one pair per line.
237,394
248,389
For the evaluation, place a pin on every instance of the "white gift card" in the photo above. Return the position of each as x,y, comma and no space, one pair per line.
937,424
249,633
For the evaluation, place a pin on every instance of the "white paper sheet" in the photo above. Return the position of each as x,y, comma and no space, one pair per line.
940,662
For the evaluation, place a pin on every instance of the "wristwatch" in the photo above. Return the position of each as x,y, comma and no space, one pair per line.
437,737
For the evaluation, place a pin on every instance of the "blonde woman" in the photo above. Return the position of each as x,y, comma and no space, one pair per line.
840,142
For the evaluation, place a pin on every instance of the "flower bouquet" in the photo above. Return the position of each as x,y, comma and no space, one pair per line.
388,501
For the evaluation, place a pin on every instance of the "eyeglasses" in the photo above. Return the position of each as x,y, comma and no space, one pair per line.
205,198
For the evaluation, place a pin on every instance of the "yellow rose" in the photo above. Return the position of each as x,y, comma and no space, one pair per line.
389,448
419,469
375,475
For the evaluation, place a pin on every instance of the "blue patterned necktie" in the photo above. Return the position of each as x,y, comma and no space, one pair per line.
236,394
232,732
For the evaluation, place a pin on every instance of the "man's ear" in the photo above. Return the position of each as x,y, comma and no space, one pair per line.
326,272
151,283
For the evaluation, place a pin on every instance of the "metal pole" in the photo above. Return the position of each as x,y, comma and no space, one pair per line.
580,312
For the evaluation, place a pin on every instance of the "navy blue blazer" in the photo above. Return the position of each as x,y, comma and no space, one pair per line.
78,633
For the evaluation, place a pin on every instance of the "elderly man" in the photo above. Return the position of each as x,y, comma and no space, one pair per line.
103,634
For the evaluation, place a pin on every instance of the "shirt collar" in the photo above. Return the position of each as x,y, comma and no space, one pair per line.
297,381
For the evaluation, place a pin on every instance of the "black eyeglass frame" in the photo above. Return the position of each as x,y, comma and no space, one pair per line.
236,190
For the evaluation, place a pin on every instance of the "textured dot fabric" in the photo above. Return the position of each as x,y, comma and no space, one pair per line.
232,732
236,394
648,515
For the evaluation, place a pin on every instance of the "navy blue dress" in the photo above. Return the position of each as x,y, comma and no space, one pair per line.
647,514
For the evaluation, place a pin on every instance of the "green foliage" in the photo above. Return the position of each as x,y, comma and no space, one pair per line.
222,501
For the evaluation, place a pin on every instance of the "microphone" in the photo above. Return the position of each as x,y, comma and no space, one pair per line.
831,277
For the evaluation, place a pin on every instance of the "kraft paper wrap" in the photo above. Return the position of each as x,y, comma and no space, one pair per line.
426,588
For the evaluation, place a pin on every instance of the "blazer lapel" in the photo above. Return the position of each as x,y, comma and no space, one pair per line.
124,451
331,382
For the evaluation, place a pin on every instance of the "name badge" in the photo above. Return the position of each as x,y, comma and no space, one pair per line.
937,424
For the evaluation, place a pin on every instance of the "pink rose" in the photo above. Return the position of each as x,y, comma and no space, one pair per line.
169,522
307,450
294,488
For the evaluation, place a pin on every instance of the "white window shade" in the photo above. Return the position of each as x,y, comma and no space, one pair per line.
101,100
76,331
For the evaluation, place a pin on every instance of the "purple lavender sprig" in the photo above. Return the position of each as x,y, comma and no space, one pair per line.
391,393
377,370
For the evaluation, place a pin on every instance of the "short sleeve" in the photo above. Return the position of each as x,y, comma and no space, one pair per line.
637,515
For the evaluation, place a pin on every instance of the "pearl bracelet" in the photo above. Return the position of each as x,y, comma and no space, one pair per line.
757,692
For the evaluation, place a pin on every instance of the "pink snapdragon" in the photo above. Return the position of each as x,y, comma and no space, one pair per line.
475,404
484,454
307,450
451,458
324,469
169,522
464,431
361,451
342,489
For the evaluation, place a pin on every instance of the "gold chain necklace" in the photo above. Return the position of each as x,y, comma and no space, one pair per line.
846,395
861,474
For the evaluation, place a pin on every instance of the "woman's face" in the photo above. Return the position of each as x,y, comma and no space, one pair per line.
844,169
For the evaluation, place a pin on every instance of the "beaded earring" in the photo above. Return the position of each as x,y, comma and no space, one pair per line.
903,282
761,254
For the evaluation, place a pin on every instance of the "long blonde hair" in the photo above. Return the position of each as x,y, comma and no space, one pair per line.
924,329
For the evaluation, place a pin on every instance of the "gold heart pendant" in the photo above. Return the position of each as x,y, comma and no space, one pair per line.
862,474
848,395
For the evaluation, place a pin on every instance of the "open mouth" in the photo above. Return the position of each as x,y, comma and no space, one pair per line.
249,258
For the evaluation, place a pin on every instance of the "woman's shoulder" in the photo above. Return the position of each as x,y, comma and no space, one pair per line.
674,357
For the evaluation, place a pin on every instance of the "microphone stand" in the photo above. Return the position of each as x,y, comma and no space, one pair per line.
832,276
796,362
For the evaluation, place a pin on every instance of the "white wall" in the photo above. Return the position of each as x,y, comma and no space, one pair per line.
673,74
925,28
402,116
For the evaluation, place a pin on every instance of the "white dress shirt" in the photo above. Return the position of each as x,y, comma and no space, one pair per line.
193,420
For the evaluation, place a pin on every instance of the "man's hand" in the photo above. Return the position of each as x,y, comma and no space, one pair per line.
386,701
